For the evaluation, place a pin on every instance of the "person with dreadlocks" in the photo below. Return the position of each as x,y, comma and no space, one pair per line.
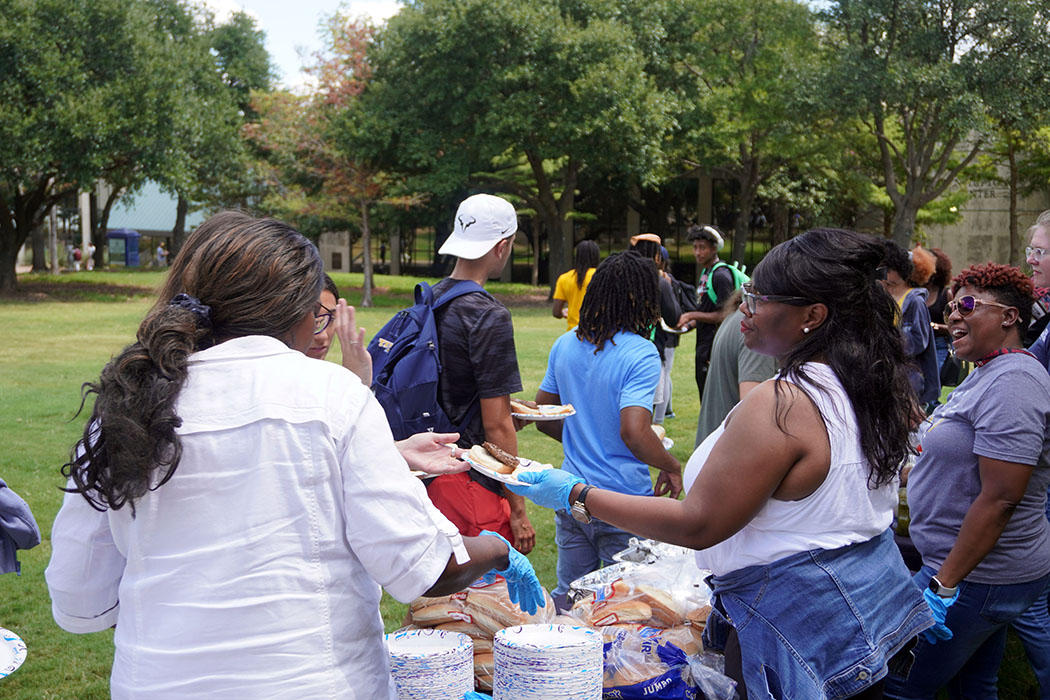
608,369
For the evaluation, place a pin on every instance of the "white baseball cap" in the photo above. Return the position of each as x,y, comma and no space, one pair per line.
482,221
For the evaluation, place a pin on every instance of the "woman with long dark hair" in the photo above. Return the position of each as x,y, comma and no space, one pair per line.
234,506
790,500
572,285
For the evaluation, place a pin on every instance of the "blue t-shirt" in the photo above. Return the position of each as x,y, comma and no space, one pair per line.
1002,411
623,373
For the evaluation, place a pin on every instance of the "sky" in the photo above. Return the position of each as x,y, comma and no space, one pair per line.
291,26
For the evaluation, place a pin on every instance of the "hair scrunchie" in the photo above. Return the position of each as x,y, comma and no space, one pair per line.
200,311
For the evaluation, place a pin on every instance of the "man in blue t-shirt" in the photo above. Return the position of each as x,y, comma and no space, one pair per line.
608,369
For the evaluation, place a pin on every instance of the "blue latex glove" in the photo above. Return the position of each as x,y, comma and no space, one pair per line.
476,696
550,487
522,585
939,607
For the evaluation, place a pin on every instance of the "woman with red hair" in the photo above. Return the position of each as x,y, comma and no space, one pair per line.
978,491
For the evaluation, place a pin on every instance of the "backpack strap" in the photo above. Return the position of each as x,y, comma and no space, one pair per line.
460,288
424,292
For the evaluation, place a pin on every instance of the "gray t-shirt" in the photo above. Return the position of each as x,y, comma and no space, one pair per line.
1002,411
731,364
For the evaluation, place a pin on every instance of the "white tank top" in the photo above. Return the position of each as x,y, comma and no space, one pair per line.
842,511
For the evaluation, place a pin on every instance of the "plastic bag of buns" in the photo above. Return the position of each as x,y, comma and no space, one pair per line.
648,662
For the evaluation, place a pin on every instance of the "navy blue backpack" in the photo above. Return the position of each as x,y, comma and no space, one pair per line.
406,365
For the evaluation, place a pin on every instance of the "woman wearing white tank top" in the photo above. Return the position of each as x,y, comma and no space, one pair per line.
790,501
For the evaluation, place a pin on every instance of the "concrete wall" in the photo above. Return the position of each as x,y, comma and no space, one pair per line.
983,234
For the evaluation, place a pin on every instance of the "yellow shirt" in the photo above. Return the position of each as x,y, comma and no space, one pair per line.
567,291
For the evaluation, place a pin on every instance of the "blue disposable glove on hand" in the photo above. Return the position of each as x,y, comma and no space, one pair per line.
522,585
549,488
476,696
939,607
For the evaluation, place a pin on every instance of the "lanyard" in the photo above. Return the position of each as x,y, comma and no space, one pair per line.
1001,351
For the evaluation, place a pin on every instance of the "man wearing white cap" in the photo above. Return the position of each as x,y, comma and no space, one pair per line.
479,370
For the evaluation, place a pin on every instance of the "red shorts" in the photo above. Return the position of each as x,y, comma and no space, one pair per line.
470,506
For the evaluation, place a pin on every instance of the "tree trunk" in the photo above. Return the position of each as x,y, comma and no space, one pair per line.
39,239
1011,154
742,227
178,231
366,256
904,222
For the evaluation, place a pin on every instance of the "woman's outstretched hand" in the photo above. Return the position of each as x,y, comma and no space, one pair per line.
549,488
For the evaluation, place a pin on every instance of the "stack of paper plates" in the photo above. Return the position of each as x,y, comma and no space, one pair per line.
431,664
547,662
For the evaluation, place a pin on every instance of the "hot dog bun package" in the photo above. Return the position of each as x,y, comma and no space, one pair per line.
479,612
652,613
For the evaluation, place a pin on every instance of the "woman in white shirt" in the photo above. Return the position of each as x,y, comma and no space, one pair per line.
234,506
790,500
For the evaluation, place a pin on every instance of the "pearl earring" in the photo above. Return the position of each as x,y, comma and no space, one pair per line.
805,330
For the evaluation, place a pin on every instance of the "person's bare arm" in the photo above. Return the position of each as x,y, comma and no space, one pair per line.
560,310
1003,485
734,484
695,317
637,433
499,430
745,388
551,428
486,553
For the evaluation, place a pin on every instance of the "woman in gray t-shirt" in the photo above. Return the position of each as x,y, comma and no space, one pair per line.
978,491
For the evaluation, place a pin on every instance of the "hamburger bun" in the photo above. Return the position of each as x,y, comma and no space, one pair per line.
524,406
659,430
480,455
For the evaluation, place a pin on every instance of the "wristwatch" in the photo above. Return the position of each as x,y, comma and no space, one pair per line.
579,506
940,589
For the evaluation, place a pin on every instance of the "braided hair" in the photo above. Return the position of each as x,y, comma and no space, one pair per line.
624,295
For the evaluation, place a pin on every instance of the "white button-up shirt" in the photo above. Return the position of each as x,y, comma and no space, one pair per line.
256,570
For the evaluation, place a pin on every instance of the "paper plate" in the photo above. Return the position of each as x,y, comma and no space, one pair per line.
506,478
12,652
422,475
544,417
675,331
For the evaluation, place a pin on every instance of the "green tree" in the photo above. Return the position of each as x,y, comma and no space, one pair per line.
920,74
560,86
86,92
753,65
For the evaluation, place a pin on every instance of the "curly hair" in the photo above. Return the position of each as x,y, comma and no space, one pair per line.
257,277
624,295
942,273
1007,284
836,268
923,265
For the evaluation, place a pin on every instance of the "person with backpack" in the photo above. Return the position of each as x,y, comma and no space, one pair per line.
479,369
716,283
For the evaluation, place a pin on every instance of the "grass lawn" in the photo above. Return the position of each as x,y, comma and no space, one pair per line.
60,332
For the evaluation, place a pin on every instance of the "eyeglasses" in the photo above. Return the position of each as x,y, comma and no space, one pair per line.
967,305
751,299
881,272
1034,253
322,320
